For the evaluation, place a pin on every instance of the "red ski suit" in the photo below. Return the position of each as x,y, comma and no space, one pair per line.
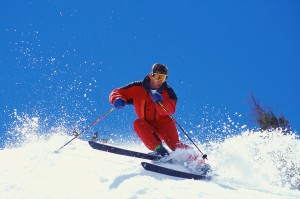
153,123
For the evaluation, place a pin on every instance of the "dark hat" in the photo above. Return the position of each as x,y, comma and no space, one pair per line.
159,68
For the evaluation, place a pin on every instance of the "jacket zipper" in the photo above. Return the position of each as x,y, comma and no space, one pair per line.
145,112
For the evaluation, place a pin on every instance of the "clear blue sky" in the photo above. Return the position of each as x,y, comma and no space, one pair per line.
61,59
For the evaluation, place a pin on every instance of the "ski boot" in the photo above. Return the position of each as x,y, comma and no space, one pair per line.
162,153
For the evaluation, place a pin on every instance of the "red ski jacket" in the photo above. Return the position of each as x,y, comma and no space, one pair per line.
138,94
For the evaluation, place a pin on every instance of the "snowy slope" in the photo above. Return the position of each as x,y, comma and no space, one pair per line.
34,170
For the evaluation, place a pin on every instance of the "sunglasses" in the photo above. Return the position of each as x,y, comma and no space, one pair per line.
159,77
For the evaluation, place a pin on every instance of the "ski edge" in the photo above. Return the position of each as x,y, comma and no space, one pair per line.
174,173
120,151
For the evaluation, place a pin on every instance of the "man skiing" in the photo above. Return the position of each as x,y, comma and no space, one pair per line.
153,123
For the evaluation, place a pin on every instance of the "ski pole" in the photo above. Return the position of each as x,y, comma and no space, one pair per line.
204,156
92,124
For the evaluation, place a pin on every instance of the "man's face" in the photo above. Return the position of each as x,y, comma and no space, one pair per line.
157,80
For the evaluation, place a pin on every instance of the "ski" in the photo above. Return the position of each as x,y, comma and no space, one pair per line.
172,172
146,165
120,151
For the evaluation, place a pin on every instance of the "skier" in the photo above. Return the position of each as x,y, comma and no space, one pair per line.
153,123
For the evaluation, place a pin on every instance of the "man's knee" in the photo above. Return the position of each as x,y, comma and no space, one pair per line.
138,124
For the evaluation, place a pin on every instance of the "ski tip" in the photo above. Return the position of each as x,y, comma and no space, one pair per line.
144,164
91,143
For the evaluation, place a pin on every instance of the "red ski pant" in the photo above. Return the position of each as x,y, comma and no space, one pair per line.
152,134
